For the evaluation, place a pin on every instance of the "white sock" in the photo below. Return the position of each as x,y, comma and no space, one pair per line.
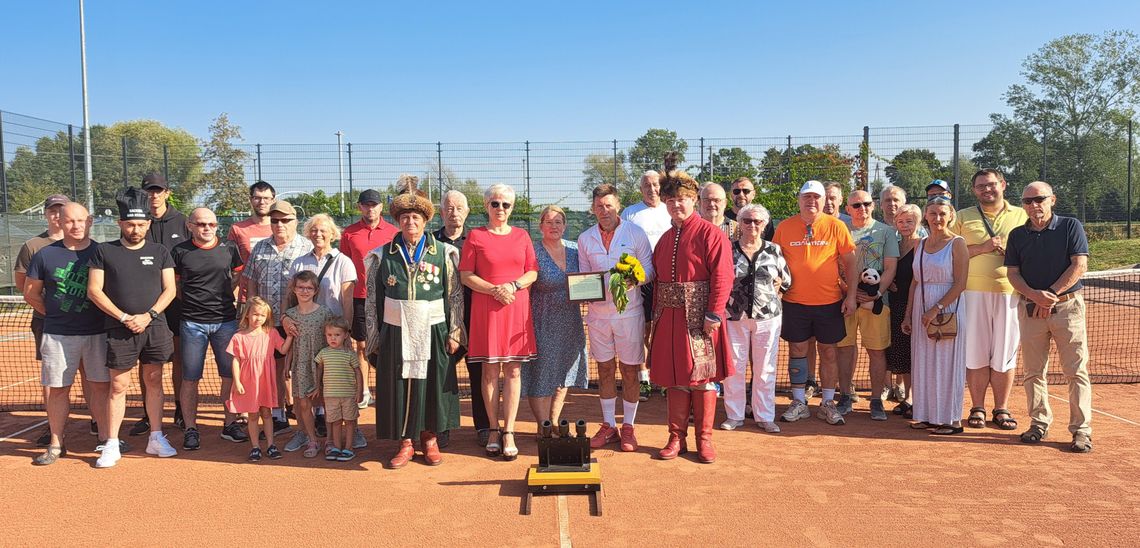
799,394
643,375
608,405
111,442
629,412
828,394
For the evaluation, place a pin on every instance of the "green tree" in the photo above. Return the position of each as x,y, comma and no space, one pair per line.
608,168
225,180
38,172
781,173
649,150
145,142
726,164
913,169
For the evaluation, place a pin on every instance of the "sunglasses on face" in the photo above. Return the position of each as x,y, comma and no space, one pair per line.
1034,200
861,205
500,205
206,225
739,191
754,222
280,221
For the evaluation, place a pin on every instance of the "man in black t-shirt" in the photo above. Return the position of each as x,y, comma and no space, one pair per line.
56,288
206,269
132,281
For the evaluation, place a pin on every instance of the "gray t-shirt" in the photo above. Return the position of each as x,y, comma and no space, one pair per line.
874,243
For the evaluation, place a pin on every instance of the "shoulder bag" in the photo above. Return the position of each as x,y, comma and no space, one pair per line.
945,324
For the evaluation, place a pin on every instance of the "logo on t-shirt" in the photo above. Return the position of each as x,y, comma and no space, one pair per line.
71,288
147,260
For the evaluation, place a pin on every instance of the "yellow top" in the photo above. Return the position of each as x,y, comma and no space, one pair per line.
987,271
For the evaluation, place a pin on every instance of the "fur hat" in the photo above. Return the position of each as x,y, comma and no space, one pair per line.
411,199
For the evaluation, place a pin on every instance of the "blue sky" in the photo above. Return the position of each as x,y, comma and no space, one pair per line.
293,72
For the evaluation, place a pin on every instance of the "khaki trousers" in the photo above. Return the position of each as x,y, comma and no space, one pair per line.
1066,327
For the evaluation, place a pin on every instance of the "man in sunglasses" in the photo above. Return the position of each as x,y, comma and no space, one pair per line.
744,193
877,247
1046,258
266,275
990,317
207,270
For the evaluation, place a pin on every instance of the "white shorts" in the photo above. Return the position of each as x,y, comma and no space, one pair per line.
623,338
991,329
63,353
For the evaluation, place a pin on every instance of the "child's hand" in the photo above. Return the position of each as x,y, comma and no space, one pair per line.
316,392
239,388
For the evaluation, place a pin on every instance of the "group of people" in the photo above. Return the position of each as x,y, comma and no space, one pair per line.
937,297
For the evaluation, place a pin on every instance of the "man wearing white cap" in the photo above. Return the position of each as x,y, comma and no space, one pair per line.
938,187
815,245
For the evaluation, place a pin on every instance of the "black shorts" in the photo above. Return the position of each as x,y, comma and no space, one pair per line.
803,321
125,349
647,300
173,315
359,329
280,331
38,335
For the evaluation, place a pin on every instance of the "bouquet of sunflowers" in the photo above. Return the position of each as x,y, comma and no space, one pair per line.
628,272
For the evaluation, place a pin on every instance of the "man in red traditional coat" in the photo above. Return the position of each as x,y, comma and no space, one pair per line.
689,351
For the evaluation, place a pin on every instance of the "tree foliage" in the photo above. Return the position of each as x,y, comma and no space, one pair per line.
649,150
725,165
225,180
612,169
782,172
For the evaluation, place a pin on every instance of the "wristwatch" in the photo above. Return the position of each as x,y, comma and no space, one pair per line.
940,307
517,286
153,314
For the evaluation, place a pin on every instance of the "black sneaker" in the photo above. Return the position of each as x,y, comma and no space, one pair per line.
124,447
190,440
94,428
141,427
233,432
179,422
280,427
255,454
322,427
273,453
45,438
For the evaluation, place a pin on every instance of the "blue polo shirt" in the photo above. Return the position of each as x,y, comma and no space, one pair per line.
1042,256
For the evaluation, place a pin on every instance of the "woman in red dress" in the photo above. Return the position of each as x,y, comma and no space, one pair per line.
498,264
689,351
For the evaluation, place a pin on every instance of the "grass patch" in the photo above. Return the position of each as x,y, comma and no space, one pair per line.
1111,254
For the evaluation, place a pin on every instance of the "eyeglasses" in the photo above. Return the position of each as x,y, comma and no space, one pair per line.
206,225
281,221
261,198
985,186
305,288
755,222
739,191
808,234
1035,199
861,205
500,205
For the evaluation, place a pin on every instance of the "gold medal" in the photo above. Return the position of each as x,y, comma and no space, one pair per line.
392,281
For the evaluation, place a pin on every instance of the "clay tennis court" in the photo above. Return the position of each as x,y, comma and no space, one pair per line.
814,484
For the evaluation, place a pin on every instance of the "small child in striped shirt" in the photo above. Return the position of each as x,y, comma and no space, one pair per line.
340,378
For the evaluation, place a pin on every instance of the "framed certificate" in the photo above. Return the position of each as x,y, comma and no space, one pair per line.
586,287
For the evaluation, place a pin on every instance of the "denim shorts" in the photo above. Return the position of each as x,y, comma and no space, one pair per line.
194,339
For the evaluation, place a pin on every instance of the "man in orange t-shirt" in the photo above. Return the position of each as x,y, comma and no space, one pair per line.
814,244
245,234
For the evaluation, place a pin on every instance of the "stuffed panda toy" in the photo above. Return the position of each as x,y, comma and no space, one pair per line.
869,284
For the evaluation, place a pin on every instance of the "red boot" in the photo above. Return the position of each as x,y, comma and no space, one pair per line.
678,401
403,455
431,448
704,414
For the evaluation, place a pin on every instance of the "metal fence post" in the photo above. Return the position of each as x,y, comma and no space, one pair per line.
351,192
615,163
259,162
126,183
703,153
957,142
527,166
1044,152
3,169
439,163
166,162
865,157
71,161
1128,223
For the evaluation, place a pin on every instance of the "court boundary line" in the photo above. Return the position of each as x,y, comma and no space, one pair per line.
1095,410
14,434
563,523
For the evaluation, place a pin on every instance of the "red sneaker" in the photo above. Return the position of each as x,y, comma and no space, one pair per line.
606,434
628,439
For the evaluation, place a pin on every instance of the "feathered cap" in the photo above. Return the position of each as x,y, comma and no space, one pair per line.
676,182
411,198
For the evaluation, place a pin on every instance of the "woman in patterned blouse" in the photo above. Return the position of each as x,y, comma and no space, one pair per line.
761,274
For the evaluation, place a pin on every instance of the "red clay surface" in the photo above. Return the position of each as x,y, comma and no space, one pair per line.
813,484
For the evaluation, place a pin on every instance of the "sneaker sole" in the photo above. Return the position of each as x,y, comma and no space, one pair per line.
794,418
233,439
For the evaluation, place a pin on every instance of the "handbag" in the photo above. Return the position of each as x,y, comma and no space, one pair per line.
945,324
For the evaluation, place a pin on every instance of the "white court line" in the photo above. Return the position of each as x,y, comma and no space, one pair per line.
563,523
18,383
14,434
1121,419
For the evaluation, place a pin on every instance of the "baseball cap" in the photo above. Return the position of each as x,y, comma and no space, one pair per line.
54,200
154,180
286,208
370,196
812,187
938,183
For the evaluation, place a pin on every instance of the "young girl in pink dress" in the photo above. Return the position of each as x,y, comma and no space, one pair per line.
255,377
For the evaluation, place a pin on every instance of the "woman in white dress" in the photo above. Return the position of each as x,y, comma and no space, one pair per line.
938,368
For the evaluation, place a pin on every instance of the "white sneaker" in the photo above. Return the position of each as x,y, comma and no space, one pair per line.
731,424
159,446
828,412
798,410
769,427
109,457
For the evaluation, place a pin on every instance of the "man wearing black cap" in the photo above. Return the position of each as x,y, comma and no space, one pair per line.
370,232
167,227
132,281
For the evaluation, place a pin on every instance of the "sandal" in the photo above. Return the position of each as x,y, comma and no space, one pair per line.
1034,434
946,430
1006,422
978,417
1082,443
331,453
922,425
509,452
346,455
312,449
902,408
494,447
